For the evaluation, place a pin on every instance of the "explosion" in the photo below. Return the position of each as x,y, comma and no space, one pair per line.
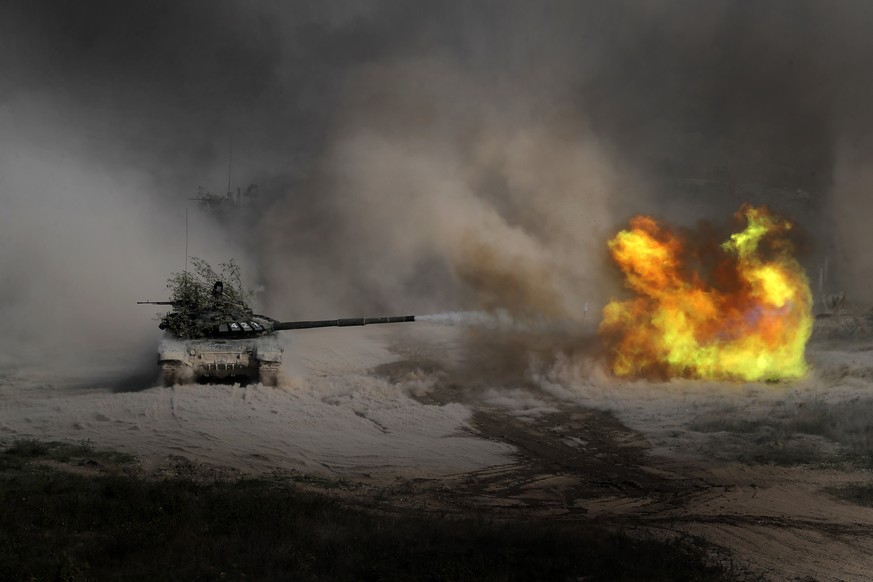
740,310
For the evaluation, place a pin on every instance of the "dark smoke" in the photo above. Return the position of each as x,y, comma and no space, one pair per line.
410,157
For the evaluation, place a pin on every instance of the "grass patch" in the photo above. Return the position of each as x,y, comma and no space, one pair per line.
324,483
61,525
25,450
856,494
807,418
800,433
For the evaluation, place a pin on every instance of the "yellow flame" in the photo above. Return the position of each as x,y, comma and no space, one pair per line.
752,323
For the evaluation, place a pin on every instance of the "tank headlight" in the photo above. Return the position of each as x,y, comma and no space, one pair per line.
192,351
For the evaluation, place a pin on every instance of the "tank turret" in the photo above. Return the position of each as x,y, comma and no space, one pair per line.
223,323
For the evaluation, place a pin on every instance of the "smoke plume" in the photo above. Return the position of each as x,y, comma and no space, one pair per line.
409,157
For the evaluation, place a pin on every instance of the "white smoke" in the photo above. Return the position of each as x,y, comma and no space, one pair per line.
82,241
498,321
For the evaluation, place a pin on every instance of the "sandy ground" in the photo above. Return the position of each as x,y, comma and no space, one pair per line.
331,416
436,419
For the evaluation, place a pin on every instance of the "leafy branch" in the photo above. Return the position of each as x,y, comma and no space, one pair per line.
194,302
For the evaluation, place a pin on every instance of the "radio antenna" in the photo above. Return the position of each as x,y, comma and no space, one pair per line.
229,164
186,245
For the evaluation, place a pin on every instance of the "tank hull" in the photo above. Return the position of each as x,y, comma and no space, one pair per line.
254,359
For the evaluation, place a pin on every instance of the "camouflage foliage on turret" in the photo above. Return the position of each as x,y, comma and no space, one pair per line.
196,308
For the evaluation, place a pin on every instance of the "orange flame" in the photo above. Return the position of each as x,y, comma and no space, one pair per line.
748,318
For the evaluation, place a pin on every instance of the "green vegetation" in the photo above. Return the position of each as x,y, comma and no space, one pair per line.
57,524
857,494
192,295
194,287
25,450
799,433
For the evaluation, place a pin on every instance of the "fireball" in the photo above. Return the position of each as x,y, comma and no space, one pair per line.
741,310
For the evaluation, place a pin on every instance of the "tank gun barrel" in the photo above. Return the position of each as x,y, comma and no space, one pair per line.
173,303
283,325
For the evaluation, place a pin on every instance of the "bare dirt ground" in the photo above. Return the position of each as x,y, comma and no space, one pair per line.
439,420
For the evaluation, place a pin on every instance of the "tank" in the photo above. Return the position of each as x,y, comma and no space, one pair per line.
218,337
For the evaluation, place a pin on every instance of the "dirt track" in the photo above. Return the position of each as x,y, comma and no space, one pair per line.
775,521
773,518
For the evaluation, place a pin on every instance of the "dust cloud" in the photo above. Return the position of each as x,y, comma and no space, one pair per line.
409,159
80,246
440,199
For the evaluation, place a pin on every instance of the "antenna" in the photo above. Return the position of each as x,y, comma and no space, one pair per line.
186,242
229,165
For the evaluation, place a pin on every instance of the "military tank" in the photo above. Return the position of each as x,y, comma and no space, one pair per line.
217,336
